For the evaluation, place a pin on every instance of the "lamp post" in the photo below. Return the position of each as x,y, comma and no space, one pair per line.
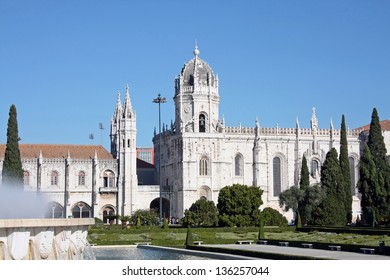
159,100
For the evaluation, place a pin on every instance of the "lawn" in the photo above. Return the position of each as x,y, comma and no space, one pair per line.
102,235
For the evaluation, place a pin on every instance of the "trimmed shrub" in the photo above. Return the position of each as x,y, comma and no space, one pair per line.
190,237
272,217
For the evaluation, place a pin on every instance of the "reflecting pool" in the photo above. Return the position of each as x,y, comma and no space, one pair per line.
128,253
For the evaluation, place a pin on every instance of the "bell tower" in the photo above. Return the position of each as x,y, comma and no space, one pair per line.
196,97
123,148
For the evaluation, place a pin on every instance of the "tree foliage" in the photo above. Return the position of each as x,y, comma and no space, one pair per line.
331,211
201,213
344,165
12,173
272,217
372,196
145,217
189,237
238,205
378,151
303,200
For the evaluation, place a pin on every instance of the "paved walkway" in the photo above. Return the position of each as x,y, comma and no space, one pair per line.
325,254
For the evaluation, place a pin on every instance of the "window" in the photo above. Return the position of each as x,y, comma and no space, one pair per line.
81,210
352,172
202,123
314,168
54,178
238,165
81,178
277,176
204,192
108,211
203,167
26,178
55,211
109,179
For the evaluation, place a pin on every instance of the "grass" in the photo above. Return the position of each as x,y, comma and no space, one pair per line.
176,236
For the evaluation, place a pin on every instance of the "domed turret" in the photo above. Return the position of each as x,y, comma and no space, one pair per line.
197,72
196,97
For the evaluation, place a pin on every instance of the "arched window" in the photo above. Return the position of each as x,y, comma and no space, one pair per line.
352,172
54,178
204,192
238,165
107,211
277,176
314,168
81,178
26,178
203,167
202,123
108,179
81,210
55,211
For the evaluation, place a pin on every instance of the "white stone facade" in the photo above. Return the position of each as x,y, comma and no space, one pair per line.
200,154
82,181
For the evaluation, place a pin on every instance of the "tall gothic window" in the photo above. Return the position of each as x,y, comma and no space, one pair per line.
108,179
203,167
26,178
238,165
277,176
202,123
314,168
54,178
352,172
81,178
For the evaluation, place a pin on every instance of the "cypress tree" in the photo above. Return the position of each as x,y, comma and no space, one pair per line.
378,151
261,230
331,211
369,187
12,173
304,184
190,237
305,175
344,165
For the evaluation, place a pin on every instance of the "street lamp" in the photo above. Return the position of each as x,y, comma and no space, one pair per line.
159,100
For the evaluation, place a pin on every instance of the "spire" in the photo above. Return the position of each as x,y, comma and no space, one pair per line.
297,124
314,121
127,109
257,129
118,108
40,159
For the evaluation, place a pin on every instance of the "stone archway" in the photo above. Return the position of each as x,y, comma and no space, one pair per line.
155,204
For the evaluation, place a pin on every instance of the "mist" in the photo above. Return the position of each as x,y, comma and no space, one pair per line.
15,203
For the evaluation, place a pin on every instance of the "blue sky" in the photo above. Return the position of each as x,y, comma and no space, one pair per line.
62,62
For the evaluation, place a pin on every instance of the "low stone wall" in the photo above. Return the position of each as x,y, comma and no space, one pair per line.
43,239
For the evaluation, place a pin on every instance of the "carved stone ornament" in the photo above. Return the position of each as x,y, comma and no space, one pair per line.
46,244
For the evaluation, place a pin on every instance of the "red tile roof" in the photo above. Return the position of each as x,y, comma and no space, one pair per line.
60,151
385,125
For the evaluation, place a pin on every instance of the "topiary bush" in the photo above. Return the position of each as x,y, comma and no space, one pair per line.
272,217
190,237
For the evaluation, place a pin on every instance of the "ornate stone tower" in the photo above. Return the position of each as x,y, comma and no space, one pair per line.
196,97
123,148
